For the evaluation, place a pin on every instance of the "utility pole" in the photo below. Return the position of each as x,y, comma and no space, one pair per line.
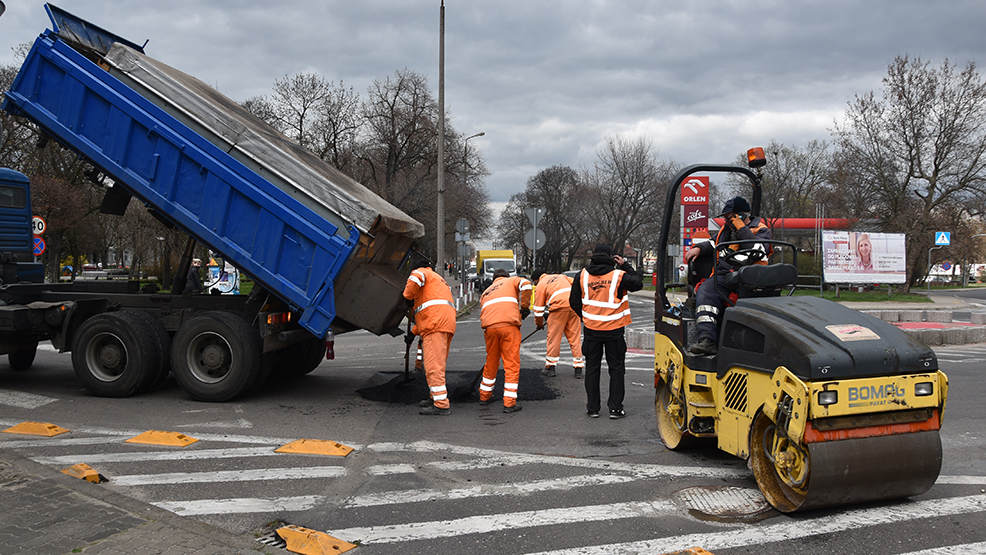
440,228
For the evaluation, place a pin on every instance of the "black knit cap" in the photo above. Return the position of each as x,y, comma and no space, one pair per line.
537,275
734,205
603,248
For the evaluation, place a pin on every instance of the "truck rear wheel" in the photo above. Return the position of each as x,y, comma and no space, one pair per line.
216,356
300,359
112,355
22,359
160,336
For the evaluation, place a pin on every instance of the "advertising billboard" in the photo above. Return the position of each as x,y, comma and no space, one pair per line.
861,257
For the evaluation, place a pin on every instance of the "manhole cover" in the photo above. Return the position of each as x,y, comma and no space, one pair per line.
722,502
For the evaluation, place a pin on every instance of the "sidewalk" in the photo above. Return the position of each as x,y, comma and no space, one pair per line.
47,512
930,323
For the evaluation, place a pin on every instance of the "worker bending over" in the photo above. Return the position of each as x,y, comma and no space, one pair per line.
433,312
551,298
503,307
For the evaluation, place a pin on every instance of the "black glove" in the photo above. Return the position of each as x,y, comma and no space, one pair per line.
524,313
409,302
409,338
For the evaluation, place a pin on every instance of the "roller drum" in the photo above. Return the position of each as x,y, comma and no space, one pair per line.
849,471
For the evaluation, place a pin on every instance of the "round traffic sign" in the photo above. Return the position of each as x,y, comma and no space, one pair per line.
39,246
38,225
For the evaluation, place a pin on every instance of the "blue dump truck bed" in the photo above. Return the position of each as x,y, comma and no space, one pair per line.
310,235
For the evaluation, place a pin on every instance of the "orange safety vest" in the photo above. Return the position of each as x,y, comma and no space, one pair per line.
602,310
434,309
500,304
551,293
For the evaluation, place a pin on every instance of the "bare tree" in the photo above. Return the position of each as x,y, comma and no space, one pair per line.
917,150
626,191
558,191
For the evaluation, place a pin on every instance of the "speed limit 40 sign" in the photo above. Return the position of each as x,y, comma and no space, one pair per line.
38,225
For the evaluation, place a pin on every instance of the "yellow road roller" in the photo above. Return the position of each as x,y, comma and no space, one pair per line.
830,406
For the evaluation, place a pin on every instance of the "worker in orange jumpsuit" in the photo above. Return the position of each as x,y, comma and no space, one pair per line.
503,307
433,311
551,298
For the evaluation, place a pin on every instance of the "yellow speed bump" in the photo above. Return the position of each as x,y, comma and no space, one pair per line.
315,447
154,437
36,429
311,542
84,472
690,551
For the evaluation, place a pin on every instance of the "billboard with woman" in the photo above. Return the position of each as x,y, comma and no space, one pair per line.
862,257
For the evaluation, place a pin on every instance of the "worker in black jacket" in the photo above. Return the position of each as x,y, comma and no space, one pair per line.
600,296
738,226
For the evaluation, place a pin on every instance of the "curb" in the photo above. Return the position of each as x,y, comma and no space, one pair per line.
211,536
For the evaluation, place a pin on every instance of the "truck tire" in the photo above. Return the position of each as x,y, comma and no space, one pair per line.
113,356
22,359
216,356
160,337
299,359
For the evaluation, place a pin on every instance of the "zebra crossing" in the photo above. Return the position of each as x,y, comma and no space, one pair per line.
384,517
961,353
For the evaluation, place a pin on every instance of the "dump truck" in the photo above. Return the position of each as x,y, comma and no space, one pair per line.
327,255
830,406
489,261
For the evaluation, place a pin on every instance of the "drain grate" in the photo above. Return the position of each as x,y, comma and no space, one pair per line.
722,502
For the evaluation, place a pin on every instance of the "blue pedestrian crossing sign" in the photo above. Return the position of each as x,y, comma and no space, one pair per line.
943,237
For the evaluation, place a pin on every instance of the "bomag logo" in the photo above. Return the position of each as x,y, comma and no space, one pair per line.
875,395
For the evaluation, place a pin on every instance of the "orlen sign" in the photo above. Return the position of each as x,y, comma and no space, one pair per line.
695,190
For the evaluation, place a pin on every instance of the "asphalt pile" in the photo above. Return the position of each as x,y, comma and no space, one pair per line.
463,387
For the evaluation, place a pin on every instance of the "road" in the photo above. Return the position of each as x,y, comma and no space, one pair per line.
543,480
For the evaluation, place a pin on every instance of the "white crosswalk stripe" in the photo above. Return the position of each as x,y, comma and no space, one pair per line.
251,471
759,535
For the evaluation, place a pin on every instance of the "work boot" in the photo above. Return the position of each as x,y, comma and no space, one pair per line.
426,403
704,347
548,371
488,401
508,410
434,411
578,373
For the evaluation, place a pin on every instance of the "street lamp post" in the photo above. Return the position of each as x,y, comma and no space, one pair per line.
465,183
929,267
440,227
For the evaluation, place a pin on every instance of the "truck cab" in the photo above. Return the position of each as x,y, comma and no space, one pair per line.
16,239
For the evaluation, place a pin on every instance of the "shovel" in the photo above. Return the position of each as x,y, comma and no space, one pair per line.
407,357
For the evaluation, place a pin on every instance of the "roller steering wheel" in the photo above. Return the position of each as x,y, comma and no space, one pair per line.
734,257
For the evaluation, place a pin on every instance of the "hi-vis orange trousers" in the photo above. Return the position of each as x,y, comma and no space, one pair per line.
436,347
502,343
564,322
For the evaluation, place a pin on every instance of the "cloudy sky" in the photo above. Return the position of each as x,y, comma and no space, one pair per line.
549,80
